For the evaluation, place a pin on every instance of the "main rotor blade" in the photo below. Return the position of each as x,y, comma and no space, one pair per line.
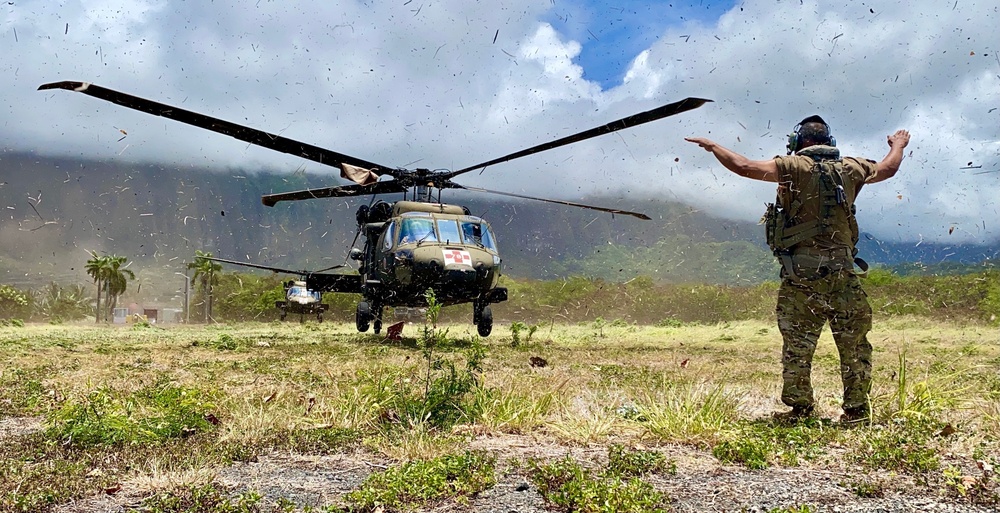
388,187
257,266
558,202
614,126
243,133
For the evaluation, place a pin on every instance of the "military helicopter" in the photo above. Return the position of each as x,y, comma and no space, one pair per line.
300,299
411,245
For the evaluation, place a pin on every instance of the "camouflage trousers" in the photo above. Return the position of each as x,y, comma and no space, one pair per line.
804,307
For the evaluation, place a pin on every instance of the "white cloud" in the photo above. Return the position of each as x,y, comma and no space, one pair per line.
450,83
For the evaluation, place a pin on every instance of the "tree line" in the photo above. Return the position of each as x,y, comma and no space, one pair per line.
111,276
972,294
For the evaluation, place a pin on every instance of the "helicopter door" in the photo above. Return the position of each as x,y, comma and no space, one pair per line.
382,251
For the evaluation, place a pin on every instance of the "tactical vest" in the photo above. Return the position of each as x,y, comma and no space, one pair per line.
818,218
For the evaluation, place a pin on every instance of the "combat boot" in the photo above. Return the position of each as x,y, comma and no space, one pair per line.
797,413
856,416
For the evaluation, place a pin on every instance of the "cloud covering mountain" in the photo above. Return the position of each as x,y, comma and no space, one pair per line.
449,83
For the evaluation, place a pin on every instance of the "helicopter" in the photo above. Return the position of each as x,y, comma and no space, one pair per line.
300,299
412,246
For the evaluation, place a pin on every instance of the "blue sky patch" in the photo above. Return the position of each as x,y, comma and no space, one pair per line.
614,32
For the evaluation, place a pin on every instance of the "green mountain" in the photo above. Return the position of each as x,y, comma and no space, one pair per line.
57,209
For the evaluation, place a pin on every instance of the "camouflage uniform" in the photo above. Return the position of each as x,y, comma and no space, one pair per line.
819,283
804,306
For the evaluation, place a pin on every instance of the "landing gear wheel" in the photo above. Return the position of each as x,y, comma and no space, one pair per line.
319,317
485,324
284,314
363,316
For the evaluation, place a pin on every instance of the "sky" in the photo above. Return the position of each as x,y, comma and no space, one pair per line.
448,83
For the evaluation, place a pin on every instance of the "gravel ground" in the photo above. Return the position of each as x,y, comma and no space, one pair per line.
700,484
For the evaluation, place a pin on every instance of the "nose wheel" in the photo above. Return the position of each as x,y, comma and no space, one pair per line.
366,316
363,316
482,317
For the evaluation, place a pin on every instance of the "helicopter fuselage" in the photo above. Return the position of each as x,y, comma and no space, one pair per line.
430,246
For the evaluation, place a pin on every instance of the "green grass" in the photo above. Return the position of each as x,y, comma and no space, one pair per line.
206,498
121,404
761,444
150,415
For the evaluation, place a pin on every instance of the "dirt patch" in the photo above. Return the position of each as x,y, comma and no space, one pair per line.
20,426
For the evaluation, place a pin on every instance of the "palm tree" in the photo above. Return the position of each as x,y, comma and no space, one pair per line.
116,279
97,268
204,272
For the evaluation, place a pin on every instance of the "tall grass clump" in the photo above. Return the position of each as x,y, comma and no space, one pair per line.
694,414
918,400
512,409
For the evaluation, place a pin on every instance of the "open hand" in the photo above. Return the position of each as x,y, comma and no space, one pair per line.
701,141
901,138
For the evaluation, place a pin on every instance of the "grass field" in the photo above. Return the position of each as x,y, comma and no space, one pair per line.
84,409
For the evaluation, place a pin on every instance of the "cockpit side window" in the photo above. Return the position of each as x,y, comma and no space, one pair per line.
476,232
417,230
387,236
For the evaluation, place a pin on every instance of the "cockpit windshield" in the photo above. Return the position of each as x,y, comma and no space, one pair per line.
416,230
468,230
302,292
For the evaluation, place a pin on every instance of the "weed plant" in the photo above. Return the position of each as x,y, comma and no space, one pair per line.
920,401
983,489
899,447
419,483
758,445
151,415
569,486
865,487
638,462
206,498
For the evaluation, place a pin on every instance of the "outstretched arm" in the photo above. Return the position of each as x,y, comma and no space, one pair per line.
890,164
764,170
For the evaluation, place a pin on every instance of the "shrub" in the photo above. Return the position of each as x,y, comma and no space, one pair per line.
14,303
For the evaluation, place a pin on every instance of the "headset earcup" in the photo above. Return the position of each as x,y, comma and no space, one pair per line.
793,142
833,140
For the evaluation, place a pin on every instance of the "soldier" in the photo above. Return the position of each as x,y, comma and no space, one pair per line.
812,230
